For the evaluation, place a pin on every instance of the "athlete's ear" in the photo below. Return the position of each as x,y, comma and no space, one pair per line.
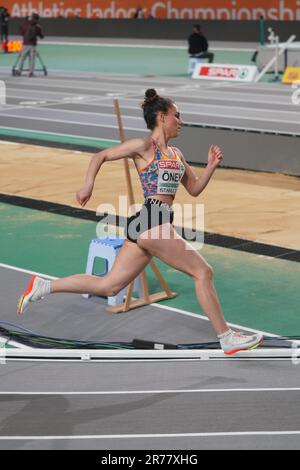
161,117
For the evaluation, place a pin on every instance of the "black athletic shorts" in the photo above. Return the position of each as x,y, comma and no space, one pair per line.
152,214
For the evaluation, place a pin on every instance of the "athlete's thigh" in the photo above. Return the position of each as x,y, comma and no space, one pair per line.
130,262
166,244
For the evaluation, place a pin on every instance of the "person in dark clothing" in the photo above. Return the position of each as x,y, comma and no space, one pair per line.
4,20
198,45
138,13
31,31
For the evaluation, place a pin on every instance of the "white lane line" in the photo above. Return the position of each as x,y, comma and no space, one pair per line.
78,123
139,361
200,124
157,392
84,80
95,139
188,111
109,88
104,80
186,108
103,87
147,436
26,271
112,45
67,112
165,307
204,110
247,118
191,123
140,46
234,110
233,126
202,317
198,94
237,98
191,109
91,101
20,90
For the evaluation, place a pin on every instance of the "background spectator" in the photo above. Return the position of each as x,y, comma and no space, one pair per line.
138,13
4,20
198,45
31,30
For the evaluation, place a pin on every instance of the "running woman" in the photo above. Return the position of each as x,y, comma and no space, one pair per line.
150,232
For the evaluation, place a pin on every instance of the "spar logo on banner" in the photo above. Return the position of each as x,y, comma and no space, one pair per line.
171,9
235,73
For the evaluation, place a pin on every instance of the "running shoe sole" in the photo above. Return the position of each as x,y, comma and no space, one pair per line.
251,348
25,299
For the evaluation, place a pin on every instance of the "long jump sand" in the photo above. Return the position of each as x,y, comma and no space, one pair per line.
254,206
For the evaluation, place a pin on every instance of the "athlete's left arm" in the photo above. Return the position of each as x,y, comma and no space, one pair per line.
196,184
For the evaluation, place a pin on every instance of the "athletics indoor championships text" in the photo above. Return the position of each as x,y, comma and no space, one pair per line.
159,9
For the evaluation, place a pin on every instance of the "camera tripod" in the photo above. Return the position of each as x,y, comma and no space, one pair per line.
16,72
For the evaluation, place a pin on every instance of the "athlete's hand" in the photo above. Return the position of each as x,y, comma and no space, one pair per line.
84,195
215,156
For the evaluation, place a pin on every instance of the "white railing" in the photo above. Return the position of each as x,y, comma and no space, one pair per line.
2,93
274,61
47,355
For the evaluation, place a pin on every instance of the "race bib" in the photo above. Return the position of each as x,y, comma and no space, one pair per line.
170,173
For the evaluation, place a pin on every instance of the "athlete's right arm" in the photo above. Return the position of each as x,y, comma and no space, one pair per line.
128,149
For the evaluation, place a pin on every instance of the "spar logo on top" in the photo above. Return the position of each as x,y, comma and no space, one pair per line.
232,73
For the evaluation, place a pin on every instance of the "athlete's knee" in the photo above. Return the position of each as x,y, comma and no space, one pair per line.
106,288
205,273
112,286
113,290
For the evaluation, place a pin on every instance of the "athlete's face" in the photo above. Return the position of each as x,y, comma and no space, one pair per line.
172,121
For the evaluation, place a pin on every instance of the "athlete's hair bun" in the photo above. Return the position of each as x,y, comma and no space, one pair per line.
151,95
152,105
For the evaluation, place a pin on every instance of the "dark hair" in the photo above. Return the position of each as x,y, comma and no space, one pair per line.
152,105
197,27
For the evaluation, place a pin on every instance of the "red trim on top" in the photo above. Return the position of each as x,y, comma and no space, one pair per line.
162,154
148,164
168,156
175,153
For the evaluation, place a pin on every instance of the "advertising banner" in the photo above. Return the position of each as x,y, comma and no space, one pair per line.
231,73
291,75
288,10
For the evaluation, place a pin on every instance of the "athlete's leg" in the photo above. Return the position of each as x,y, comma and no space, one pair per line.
176,252
130,261
167,245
